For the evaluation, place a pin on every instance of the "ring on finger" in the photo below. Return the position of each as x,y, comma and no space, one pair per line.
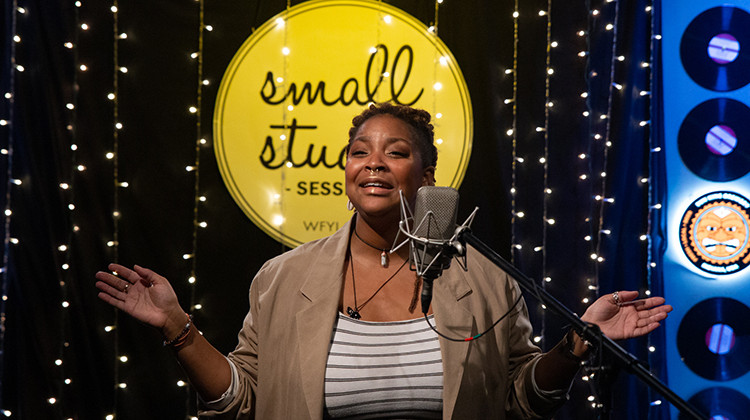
127,286
616,297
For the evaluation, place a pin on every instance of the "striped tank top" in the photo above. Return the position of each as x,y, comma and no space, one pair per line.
383,370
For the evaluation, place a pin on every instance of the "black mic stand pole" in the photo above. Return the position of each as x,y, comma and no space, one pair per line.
632,364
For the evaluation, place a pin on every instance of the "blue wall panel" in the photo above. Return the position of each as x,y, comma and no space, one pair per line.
705,111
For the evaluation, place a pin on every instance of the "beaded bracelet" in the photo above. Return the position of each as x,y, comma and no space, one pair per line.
182,336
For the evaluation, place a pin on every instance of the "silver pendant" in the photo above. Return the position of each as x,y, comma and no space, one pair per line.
384,259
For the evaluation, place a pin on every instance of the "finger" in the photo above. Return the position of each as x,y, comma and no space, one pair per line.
646,329
111,300
112,280
654,318
148,277
119,270
111,291
649,303
126,273
627,295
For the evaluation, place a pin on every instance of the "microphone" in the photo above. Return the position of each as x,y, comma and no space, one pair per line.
430,243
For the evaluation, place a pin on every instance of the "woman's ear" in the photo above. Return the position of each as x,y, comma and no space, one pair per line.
428,176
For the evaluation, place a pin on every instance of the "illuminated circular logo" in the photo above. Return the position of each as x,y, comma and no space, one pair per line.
287,99
715,232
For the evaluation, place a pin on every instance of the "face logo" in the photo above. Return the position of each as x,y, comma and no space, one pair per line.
715,233
719,232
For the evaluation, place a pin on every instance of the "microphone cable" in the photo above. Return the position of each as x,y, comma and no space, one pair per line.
508,312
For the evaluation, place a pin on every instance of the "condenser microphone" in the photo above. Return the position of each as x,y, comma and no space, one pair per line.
434,226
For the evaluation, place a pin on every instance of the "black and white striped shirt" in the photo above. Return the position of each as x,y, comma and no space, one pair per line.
383,370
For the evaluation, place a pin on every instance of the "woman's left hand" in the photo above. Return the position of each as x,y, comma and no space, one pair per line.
620,315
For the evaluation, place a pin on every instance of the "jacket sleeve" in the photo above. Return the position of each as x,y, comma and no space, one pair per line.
524,399
245,359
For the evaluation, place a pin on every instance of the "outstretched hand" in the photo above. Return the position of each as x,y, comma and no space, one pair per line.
620,315
143,294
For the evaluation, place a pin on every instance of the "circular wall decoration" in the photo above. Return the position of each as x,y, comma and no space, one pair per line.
718,357
288,96
715,232
714,140
714,48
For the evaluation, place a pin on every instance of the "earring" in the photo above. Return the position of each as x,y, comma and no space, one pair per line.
349,205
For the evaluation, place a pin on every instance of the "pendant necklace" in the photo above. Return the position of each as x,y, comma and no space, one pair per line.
354,313
383,251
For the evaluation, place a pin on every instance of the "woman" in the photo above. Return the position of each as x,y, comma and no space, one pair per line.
332,329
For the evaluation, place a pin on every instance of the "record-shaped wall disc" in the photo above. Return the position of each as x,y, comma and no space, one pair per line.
715,48
714,139
714,339
720,403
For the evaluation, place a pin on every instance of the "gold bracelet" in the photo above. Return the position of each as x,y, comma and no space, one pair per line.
182,336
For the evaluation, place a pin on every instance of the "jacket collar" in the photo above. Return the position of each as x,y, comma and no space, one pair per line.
321,292
453,317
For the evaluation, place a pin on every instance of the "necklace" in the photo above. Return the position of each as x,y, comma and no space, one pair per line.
383,251
354,313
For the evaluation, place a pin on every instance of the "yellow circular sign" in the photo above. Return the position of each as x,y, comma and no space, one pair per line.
286,101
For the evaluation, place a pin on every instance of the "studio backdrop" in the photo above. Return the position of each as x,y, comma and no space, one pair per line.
201,138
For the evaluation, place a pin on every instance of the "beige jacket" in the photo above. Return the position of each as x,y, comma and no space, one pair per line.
294,298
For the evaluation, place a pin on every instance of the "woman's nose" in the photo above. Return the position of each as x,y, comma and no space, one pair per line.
376,163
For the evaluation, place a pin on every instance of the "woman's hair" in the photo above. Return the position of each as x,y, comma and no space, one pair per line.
417,119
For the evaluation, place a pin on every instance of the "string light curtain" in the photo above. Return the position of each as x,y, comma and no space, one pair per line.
8,69
159,201
569,226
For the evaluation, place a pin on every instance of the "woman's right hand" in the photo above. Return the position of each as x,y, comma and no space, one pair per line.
143,294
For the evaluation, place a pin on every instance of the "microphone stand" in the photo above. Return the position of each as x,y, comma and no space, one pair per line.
632,364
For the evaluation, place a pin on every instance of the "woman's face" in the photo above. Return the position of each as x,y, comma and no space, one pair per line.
383,159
